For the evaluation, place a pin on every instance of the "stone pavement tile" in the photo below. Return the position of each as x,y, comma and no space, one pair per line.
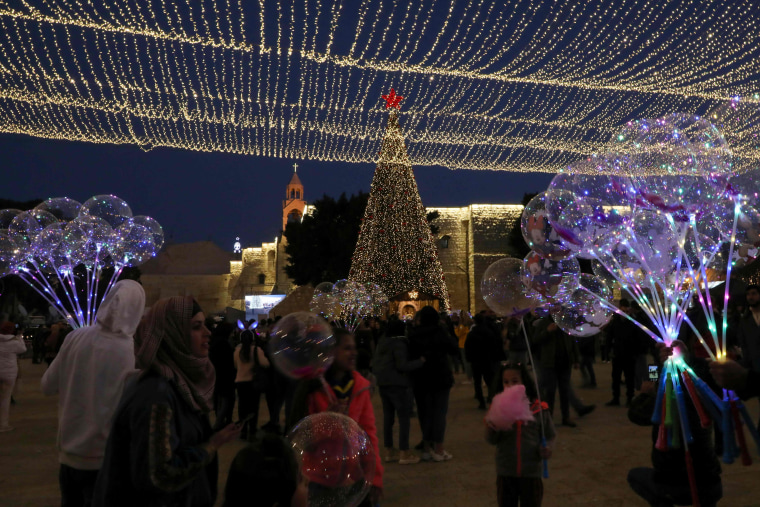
589,465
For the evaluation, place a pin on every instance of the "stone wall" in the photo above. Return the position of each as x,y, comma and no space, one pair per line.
211,291
477,236
489,236
453,226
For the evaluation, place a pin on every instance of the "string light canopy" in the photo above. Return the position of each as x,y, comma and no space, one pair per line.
520,85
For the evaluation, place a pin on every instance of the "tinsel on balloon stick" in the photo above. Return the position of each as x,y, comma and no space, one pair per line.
396,249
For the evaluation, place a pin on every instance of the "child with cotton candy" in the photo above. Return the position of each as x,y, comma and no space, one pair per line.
514,426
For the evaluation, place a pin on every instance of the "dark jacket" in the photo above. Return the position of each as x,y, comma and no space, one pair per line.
155,456
221,355
435,345
556,349
391,364
748,336
484,345
625,337
670,466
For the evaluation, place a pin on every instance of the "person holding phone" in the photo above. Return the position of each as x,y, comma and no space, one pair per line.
162,449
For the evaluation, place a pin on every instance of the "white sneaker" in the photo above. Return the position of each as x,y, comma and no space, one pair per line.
444,456
6,428
426,456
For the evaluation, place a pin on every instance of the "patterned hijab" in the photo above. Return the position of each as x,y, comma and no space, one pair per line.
162,344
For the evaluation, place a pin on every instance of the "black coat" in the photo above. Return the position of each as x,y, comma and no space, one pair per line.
155,455
435,345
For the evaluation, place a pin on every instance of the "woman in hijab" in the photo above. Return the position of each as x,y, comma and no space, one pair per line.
161,450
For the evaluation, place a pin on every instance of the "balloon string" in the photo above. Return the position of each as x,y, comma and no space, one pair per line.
538,395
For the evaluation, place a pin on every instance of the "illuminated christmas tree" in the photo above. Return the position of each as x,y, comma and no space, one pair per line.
396,249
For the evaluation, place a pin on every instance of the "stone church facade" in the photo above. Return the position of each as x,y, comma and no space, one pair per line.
469,239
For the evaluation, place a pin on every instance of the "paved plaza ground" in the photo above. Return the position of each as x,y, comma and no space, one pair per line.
589,466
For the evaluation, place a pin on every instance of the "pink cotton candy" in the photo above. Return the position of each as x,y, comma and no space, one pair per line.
508,407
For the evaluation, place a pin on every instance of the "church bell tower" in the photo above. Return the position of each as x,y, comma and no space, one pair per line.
294,204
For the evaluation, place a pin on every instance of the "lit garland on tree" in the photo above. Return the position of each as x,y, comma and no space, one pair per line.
396,249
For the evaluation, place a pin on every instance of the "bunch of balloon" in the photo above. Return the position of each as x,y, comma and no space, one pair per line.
62,248
661,216
347,302
335,453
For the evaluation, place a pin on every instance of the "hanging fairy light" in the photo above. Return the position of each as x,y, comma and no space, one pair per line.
524,85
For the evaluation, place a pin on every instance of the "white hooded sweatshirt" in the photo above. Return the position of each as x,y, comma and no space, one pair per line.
89,374
10,347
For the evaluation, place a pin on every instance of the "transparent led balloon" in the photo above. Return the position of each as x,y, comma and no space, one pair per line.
502,289
27,225
135,244
543,277
154,227
336,458
110,208
583,207
538,231
654,242
301,345
62,208
9,254
6,217
591,283
582,314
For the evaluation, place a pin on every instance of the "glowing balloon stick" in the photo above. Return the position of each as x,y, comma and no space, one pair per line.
722,351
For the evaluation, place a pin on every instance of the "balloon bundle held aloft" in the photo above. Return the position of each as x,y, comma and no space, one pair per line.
667,211
347,302
335,453
61,249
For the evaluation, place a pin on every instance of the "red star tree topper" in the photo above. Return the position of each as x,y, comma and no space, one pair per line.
392,100
395,248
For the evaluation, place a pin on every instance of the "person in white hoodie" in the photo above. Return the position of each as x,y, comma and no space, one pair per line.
11,346
89,374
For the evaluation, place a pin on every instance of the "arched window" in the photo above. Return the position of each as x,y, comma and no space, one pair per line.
292,194
270,258
444,241
298,194
262,279
294,216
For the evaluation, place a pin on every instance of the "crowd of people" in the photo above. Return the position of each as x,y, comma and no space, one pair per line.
137,392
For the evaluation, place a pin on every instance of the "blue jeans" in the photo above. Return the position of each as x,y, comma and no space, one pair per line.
396,400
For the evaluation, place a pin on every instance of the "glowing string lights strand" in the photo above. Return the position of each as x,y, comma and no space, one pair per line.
490,82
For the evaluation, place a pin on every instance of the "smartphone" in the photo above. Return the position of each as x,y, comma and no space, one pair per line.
654,373
245,420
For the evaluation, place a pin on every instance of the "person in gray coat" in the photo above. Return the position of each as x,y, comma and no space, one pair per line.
390,366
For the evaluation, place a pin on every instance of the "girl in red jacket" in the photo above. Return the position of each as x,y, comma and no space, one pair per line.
348,394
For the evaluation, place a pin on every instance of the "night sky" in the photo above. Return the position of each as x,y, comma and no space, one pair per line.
215,196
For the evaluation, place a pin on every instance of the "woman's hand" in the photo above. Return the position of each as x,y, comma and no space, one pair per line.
545,452
225,435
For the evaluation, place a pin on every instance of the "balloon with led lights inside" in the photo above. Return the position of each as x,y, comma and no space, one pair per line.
538,231
336,457
503,290
582,314
301,345
543,277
